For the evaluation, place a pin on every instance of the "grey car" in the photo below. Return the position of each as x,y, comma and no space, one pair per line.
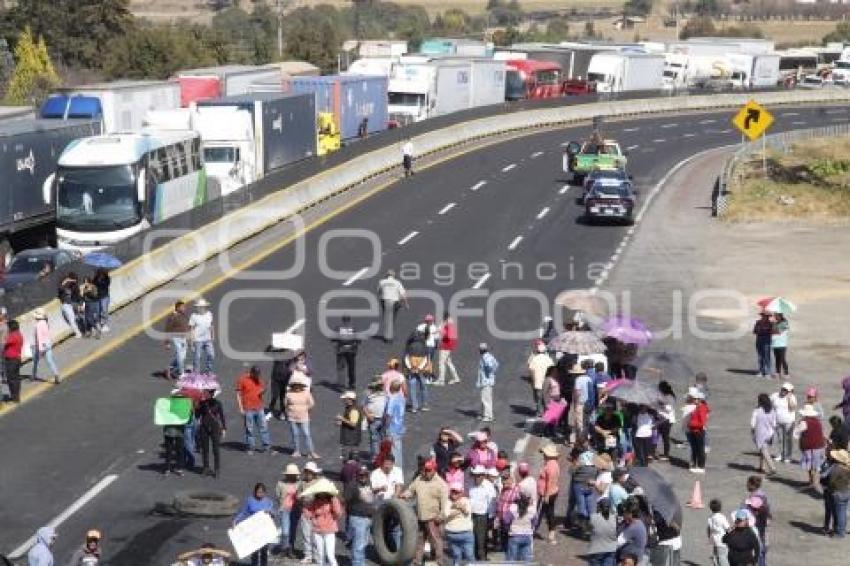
31,265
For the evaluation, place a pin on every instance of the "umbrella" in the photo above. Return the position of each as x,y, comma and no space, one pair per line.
204,551
581,300
102,259
777,304
627,330
322,485
577,342
659,492
198,381
636,392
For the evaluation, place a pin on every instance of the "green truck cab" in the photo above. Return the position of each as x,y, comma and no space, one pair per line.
600,154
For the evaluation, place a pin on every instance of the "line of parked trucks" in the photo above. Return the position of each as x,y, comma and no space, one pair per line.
214,130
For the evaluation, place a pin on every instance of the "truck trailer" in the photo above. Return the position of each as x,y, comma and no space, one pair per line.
624,71
225,80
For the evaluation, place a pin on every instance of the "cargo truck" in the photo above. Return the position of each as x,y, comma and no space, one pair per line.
422,87
120,106
354,101
29,152
754,70
530,79
458,47
624,71
226,80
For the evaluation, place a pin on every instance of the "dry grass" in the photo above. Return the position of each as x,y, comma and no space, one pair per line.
477,6
799,185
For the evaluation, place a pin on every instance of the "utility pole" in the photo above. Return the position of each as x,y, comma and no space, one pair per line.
279,5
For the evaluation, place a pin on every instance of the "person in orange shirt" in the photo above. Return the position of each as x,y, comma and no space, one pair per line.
547,487
249,396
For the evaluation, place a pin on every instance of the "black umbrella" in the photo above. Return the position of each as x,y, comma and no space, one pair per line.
659,492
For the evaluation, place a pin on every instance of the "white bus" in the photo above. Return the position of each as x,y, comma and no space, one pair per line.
111,187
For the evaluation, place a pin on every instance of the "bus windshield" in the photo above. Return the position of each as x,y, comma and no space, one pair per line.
96,198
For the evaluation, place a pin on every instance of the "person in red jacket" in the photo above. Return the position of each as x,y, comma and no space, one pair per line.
696,422
448,344
12,360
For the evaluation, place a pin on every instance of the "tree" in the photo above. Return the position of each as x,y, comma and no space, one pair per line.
700,26
637,7
452,22
158,51
840,33
557,30
34,75
313,35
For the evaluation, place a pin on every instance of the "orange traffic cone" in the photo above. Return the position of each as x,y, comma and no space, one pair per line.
695,502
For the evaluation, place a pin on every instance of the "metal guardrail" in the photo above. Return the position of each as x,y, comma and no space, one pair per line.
776,142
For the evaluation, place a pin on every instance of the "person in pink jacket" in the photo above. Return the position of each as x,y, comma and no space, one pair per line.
43,346
298,404
324,512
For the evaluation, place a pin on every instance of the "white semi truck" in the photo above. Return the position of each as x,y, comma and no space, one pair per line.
624,71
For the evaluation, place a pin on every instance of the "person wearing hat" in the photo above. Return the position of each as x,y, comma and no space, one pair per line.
741,542
43,346
785,403
201,326
482,499
310,476
432,337
177,340
350,424
763,331
526,483
249,397
548,486
211,431
838,482
89,553
448,344
487,368
299,402
431,494
286,494
12,351
812,440
539,363
695,422
360,505
373,410
391,296
346,344
418,367
480,453
459,526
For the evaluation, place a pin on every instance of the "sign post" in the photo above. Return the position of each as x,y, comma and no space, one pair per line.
753,120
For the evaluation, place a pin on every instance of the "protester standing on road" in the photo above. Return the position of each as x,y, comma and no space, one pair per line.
12,349
779,343
391,296
89,553
374,409
346,343
407,157
41,554
633,534
839,485
459,526
482,500
431,495
212,429
394,421
812,440
548,485
666,410
70,301
446,445
177,329
418,367
359,505
201,325
324,512
258,502
742,542
448,344
696,421
538,363
487,368
91,308
249,396
286,494
43,346
763,330
603,535
102,281
279,380
644,428
350,424
785,404
299,402
716,529
432,337
763,427
312,474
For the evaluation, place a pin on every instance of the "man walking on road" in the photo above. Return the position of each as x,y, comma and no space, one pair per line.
487,368
448,344
431,494
407,157
12,349
177,329
394,420
785,404
249,397
391,295
763,330
201,324
346,353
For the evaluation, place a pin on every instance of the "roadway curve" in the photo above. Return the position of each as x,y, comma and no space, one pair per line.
60,444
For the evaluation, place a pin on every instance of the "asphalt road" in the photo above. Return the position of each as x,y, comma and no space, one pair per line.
521,225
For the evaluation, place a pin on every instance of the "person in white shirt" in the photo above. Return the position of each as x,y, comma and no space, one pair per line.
391,296
718,526
387,480
785,404
526,483
643,436
482,500
201,325
432,337
407,157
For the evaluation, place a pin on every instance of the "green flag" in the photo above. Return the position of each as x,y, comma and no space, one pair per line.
172,411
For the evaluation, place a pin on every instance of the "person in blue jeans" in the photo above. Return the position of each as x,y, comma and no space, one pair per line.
360,505
258,502
394,421
458,526
249,397
839,484
521,531
603,535
201,325
763,330
418,366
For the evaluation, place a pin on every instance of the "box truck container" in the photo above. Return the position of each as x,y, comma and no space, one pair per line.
120,106
29,152
721,45
225,80
350,98
461,47
378,66
753,70
371,48
624,71
248,136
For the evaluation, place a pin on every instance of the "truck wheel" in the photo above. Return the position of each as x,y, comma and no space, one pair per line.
206,503
6,253
401,514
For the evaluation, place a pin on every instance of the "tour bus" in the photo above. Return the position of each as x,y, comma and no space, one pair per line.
794,64
111,187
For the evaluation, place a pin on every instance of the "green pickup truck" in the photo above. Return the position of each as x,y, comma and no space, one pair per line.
582,159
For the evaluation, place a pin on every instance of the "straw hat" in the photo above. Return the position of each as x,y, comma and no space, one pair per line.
291,470
549,451
202,303
349,395
603,462
841,456
39,314
808,410
322,485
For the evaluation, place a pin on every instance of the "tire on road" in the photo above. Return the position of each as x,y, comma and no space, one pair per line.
403,514
206,503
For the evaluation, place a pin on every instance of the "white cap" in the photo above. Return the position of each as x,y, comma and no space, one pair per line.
312,467
788,386
478,470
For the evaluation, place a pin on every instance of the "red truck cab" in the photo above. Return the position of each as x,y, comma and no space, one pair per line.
529,79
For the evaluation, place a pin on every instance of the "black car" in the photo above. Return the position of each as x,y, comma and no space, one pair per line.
610,199
31,265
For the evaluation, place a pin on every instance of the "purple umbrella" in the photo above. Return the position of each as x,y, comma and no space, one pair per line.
627,330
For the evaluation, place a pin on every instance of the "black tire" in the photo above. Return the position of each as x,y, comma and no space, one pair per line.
402,512
206,503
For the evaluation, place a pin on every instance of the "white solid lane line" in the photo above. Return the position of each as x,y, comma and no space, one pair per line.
447,208
790,114
726,131
707,121
537,154
478,185
480,283
836,111
688,135
674,125
355,277
408,238
630,129
507,168
631,147
515,243
564,189
295,326
73,508
799,123
543,213
662,140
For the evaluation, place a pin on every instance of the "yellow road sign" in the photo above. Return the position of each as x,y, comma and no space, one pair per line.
753,120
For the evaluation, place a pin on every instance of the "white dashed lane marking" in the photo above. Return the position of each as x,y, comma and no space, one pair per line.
564,189
355,277
447,208
515,243
507,168
408,238
542,213
631,147
537,154
480,283
478,185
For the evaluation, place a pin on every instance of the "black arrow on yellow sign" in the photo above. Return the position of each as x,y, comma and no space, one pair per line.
753,115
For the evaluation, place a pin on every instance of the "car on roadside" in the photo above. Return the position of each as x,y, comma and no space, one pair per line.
610,200
35,264
812,81
603,173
